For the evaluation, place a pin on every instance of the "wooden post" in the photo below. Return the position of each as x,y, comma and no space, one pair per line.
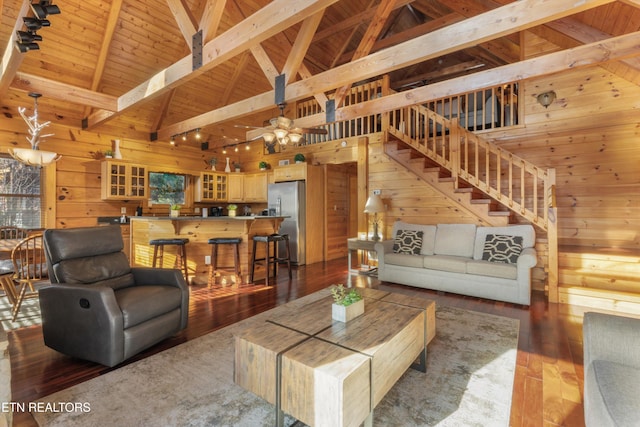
363,182
552,235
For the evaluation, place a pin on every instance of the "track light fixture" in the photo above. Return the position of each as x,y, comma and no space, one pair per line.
44,8
26,39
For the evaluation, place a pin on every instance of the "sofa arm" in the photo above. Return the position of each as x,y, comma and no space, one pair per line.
611,338
526,261
82,321
382,248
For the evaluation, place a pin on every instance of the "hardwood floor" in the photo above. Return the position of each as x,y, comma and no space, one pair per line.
548,380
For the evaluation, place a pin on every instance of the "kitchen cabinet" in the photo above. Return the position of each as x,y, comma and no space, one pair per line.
123,181
237,187
294,172
212,187
255,187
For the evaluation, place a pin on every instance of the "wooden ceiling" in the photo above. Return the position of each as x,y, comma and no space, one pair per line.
125,67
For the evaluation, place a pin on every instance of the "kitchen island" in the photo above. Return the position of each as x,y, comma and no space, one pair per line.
199,230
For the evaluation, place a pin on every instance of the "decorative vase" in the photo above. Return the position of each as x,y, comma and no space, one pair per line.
116,151
227,168
344,313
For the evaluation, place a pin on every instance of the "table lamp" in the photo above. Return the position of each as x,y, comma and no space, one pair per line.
374,205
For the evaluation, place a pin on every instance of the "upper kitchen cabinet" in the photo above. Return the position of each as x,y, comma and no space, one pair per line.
123,181
236,187
212,187
255,187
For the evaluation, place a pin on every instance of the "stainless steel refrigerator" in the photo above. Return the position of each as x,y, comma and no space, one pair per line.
288,199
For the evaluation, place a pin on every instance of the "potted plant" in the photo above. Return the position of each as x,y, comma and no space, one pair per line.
263,165
108,154
232,209
347,303
299,158
213,162
236,166
174,211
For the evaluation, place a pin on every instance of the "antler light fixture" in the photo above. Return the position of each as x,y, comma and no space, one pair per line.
34,156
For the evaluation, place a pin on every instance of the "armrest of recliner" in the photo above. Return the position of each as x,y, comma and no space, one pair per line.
144,276
159,276
82,321
611,338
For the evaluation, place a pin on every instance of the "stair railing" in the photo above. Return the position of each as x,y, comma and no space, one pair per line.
514,182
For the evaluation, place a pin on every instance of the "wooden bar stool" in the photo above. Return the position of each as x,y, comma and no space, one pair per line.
213,268
271,257
181,253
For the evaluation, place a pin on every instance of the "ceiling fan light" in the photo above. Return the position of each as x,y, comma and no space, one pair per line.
280,133
283,122
283,141
295,137
268,137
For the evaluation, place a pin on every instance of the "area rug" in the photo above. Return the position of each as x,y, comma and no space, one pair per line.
469,381
29,314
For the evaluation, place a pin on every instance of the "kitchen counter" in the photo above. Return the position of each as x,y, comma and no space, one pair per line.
199,230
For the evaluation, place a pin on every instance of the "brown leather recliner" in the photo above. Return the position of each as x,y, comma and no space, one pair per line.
98,308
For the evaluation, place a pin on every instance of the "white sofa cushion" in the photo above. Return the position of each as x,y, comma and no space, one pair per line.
455,239
527,233
449,263
428,234
403,260
492,269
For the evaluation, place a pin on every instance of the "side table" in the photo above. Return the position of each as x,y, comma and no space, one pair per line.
354,245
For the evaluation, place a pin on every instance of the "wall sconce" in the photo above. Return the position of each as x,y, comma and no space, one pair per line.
545,99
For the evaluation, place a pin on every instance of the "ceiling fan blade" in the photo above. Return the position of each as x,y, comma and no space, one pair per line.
247,127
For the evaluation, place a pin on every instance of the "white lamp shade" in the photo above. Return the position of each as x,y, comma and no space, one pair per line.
280,133
268,137
32,157
295,137
374,204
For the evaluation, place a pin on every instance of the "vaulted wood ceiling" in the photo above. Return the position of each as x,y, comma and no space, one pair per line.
125,67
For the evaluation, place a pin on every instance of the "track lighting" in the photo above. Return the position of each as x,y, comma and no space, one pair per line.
44,8
197,135
25,47
34,24
28,37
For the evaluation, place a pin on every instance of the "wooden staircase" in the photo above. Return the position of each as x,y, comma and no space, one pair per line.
469,199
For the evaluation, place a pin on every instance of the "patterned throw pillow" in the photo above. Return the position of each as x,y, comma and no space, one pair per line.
502,248
408,242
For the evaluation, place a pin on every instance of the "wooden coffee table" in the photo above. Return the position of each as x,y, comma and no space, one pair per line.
324,372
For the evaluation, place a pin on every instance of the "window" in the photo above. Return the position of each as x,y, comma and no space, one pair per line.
167,188
20,194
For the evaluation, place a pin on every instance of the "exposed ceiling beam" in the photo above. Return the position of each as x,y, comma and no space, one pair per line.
112,20
615,48
211,17
185,20
266,22
499,22
634,3
369,38
11,59
57,90
301,45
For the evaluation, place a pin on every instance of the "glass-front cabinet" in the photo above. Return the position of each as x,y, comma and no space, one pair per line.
212,187
123,181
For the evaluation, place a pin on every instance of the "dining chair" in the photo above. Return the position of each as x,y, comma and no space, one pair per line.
29,270
12,232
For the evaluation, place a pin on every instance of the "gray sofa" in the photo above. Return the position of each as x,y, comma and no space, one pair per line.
611,370
450,258
100,309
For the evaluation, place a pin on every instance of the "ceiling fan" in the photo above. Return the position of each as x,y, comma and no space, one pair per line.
281,129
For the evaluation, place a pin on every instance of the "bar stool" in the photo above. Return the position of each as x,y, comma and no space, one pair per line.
181,253
271,258
213,268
